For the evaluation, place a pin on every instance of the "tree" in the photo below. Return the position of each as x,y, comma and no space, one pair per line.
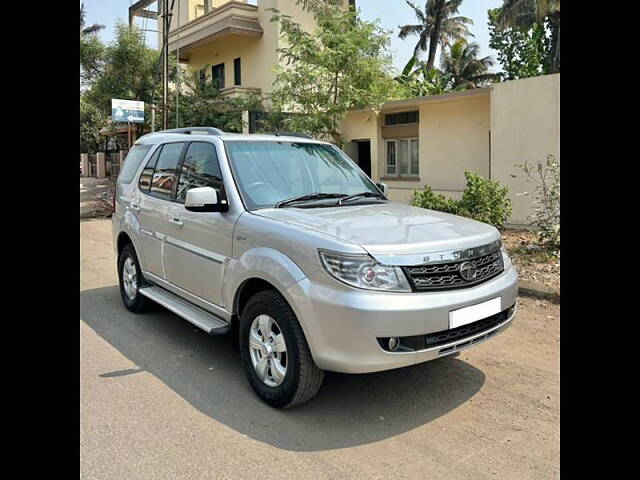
91,49
91,121
526,13
95,28
464,66
438,25
420,81
129,72
342,64
522,51
201,103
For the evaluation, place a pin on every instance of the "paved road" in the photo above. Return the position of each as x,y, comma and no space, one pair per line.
160,399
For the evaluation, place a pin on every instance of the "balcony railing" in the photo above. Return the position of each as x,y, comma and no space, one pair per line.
232,18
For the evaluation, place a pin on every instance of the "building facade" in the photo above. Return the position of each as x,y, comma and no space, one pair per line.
433,140
233,42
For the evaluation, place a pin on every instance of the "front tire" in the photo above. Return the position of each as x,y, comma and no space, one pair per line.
274,352
131,280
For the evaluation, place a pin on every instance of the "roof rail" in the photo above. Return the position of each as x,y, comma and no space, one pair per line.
194,131
291,134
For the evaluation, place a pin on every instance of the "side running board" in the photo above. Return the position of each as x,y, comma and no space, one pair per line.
199,317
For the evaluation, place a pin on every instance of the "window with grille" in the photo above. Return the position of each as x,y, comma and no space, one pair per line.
403,157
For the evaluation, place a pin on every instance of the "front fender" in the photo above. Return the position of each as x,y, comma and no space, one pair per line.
265,263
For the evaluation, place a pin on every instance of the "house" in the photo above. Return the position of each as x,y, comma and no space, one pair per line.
433,140
409,143
233,42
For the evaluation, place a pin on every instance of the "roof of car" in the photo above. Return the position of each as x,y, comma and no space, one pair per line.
163,137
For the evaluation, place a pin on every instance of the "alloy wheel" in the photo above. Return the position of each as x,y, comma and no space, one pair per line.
268,350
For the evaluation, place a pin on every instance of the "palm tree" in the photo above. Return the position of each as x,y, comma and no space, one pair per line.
420,81
464,66
90,49
95,28
524,13
439,24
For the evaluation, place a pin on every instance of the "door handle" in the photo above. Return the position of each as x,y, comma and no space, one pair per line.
177,222
135,207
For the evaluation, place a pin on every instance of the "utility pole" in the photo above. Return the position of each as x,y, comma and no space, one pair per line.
165,62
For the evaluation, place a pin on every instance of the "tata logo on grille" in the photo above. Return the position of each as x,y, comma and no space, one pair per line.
468,271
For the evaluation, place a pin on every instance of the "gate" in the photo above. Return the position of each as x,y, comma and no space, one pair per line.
112,164
93,165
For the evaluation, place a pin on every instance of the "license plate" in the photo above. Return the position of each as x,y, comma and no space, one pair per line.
460,317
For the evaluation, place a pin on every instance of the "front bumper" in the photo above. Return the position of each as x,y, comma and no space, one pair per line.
342,324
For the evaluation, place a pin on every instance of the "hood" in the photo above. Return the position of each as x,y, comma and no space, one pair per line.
390,228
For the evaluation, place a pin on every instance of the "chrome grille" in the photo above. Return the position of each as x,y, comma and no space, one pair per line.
446,276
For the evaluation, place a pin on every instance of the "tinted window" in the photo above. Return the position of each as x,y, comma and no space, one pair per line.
132,162
147,173
199,169
237,72
217,74
401,118
165,172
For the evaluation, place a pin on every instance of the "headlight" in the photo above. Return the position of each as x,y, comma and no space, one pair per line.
362,271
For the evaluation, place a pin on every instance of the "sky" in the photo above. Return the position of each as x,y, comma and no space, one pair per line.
391,14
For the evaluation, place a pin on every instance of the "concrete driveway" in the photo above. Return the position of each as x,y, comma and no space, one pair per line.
161,399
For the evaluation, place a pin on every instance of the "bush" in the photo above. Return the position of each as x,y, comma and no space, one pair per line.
433,201
545,176
483,200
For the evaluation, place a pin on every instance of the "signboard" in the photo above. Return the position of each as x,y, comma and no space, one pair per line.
127,111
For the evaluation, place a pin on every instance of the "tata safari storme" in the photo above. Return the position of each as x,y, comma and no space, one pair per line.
284,242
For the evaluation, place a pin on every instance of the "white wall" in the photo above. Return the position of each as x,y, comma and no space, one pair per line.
525,125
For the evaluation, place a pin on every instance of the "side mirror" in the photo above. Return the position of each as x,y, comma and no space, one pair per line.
204,199
383,187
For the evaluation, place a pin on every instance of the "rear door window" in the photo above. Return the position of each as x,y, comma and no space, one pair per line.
147,174
164,174
132,162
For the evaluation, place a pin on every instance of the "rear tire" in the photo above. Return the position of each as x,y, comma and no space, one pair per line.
131,280
301,379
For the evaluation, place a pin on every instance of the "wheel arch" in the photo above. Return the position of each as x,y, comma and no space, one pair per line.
256,270
123,240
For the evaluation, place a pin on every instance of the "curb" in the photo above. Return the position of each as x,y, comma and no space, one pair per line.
530,289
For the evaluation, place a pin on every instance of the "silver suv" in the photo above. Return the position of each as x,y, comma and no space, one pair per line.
284,242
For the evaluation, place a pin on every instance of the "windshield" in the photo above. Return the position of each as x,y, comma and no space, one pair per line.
269,172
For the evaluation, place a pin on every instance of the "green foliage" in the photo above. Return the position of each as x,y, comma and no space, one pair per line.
344,63
545,178
91,121
525,14
462,65
91,58
433,201
418,80
483,200
523,51
129,72
438,24
91,50
201,104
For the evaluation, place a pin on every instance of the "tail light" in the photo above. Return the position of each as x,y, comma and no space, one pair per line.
115,190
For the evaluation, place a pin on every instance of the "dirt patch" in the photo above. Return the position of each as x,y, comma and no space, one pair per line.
96,197
534,264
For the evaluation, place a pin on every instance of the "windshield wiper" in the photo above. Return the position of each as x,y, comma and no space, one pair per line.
361,195
309,196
